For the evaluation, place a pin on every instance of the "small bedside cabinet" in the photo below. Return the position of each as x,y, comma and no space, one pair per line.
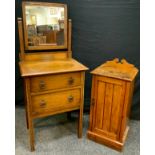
112,89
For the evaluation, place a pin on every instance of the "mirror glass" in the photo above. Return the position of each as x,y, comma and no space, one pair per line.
45,26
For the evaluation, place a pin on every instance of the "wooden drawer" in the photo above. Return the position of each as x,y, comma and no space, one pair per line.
56,101
49,82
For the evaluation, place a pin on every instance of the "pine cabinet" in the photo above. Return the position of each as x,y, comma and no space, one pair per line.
112,89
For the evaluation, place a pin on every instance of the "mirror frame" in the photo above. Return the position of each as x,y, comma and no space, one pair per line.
44,47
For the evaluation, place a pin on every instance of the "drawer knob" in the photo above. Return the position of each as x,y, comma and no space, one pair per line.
42,85
42,104
70,98
70,81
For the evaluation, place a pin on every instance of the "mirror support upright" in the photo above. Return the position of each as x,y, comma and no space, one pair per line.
21,39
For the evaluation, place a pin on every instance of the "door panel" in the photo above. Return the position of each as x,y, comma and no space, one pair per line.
116,109
108,106
100,105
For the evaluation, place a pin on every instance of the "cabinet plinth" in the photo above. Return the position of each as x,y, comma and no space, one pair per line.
112,89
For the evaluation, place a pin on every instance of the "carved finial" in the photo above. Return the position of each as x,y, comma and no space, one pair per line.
123,61
116,60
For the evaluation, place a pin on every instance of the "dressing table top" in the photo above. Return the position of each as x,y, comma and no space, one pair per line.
34,68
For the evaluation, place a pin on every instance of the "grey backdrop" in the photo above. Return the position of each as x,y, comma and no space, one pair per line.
102,30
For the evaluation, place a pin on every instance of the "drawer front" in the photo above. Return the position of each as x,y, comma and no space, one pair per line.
49,82
56,101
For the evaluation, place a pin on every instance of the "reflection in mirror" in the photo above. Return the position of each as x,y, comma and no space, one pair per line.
45,25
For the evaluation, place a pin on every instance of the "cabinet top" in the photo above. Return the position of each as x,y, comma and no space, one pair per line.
121,70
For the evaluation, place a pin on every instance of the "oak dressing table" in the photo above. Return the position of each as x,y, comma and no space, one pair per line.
53,80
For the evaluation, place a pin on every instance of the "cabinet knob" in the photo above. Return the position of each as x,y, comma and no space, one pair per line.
70,98
93,102
42,104
42,84
70,81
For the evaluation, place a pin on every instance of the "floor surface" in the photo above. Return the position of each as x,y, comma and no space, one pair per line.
55,135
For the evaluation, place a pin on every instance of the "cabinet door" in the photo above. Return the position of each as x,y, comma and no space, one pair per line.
108,106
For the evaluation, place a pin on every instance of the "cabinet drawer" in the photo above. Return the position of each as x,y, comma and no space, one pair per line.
56,101
48,82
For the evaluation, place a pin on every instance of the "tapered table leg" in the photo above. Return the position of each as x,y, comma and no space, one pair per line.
31,133
80,123
27,124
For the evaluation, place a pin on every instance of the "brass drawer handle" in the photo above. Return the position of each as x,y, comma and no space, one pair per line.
42,104
70,98
70,81
42,84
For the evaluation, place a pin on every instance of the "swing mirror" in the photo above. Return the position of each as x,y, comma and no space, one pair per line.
45,25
